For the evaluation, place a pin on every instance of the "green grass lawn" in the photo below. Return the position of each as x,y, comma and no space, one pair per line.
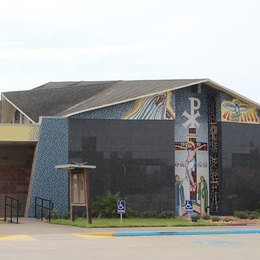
132,222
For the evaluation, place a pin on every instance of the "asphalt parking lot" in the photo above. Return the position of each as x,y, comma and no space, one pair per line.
33,239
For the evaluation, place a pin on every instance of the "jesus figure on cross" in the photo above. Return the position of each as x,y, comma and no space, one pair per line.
190,163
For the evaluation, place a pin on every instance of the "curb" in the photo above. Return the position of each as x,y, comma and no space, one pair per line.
174,233
97,234
183,233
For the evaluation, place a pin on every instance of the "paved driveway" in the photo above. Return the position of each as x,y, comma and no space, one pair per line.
36,240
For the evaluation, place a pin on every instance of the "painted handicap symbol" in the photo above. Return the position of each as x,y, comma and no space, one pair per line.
121,206
188,206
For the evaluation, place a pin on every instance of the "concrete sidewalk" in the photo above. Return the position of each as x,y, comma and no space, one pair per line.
31,226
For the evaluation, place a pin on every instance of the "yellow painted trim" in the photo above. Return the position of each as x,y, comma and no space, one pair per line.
19,133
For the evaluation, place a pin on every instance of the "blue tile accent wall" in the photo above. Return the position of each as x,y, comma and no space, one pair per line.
48,182
112,112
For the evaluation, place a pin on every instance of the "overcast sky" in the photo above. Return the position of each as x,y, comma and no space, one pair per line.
42,41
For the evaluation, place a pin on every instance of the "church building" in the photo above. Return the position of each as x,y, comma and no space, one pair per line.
157,142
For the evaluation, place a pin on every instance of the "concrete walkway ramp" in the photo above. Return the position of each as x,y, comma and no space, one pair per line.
32,226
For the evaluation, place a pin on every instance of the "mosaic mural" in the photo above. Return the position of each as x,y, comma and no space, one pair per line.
153,107
235,111
191,152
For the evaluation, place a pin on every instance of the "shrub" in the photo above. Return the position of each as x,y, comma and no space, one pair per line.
46,213
66,215
215,218
253,215
241,214
166,214
248,212
227,219
130,213
84,214
206,217
149,214
106,206
194,218
257,207
54,214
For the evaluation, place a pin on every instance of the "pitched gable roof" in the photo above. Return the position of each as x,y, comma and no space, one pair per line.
70,98
52,100
124,91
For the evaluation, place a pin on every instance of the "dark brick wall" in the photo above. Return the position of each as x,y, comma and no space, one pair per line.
15,171
135,157
239,167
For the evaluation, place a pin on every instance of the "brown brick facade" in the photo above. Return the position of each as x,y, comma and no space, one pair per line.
15,171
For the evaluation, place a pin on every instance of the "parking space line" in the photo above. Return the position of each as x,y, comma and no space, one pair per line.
17,237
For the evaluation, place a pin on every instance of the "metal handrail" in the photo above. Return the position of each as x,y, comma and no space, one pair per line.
12,206
42,206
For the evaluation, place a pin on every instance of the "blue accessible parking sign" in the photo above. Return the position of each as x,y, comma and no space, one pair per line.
188,206
121,207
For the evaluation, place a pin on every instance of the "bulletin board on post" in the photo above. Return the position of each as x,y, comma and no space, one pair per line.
79,187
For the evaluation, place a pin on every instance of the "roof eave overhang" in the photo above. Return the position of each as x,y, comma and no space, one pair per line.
206,81
231,92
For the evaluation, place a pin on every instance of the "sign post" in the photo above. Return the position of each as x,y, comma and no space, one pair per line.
121,209
188,207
